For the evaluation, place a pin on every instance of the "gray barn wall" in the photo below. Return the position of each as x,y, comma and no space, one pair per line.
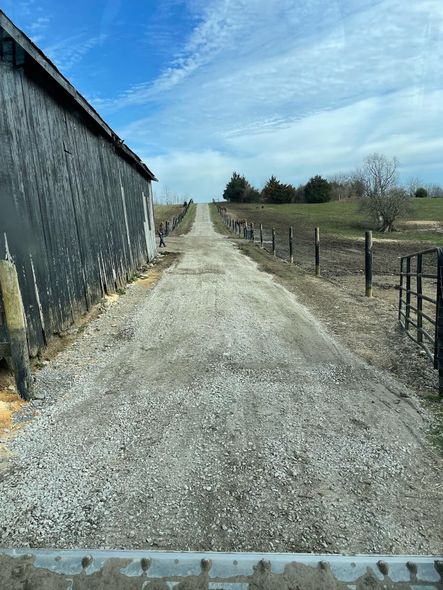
76,216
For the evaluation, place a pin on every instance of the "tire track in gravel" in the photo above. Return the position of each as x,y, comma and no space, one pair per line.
215,413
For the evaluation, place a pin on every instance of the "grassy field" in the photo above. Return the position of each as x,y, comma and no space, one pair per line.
342,228
344,218
164,213
187,221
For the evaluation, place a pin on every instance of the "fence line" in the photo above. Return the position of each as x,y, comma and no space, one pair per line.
174,222
246,230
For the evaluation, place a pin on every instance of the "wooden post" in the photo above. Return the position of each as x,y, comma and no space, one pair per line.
291,245
252,232
16,327
273,241
419,290
317,251
261,235
368,263
166,228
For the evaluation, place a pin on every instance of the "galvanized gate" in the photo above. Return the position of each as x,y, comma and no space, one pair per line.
420,310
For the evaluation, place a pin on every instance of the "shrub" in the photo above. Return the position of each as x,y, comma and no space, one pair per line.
421,193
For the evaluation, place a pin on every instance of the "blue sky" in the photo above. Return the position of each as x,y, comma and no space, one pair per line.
199,88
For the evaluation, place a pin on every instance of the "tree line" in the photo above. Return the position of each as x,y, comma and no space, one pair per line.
240,190
375,184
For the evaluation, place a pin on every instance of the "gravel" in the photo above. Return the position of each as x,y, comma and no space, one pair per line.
213,412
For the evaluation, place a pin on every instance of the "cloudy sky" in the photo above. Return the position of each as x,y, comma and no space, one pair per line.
199,88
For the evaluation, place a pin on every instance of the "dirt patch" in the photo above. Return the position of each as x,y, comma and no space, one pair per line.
422,224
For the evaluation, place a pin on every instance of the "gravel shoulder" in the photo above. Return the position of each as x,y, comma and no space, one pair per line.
214,412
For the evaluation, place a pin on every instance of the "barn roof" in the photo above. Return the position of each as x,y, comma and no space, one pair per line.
44,62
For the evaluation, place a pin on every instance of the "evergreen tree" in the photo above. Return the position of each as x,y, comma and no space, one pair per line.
239,190
235,188
317,190
275,191
421,193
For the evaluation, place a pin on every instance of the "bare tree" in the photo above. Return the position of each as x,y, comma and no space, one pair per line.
434,191
413,184
383,200
345,185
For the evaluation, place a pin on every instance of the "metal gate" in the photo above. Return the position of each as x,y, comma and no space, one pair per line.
420,310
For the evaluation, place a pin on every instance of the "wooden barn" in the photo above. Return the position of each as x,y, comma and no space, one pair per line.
76,209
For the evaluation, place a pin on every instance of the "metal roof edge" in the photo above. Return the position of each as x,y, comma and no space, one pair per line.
51,69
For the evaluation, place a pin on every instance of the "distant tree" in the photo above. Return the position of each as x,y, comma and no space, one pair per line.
345,185
412,185
235,188
275,191
299,195
239,190
251,194
434,191
340,186
383,200
357,186
421,193
317,190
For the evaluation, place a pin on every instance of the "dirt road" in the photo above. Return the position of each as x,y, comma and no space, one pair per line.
212,412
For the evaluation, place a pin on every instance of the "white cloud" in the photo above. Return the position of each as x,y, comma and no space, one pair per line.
322,143
291,88
71,50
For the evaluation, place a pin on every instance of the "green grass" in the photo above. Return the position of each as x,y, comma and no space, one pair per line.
186,223
342,218
164,213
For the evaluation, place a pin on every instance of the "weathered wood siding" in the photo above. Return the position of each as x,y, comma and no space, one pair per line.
75,215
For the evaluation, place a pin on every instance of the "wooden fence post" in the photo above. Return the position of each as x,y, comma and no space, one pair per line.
317,251
368,263
252,232
16,327
261,235
273,241
291,245
166,228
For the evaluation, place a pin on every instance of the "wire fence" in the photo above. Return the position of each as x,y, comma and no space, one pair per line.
175,221
306,253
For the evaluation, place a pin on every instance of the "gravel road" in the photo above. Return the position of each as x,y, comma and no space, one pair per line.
213,412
